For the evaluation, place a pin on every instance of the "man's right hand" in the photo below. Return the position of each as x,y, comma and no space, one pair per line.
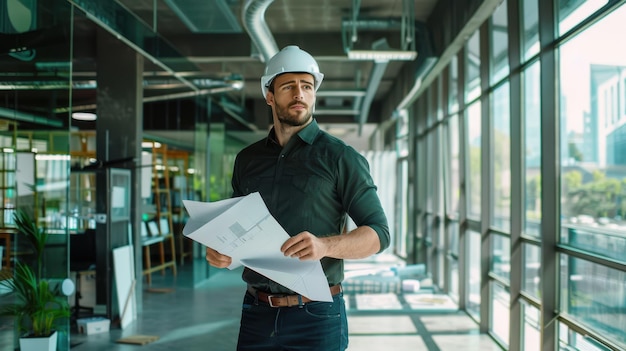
216,259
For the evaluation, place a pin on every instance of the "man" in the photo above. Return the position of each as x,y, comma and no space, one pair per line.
310,182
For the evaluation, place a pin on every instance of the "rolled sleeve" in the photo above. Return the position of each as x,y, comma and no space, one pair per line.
362,202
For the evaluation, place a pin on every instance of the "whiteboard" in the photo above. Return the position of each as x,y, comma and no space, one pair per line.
25,173
125,282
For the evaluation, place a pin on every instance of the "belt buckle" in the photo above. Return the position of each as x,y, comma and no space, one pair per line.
269,300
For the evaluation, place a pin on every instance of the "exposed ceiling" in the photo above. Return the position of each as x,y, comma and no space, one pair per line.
210,47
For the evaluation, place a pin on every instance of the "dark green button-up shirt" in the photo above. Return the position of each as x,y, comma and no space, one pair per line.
311,184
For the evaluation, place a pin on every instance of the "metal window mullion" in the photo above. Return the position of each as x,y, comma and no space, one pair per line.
486,179
419,171
447,186
518,210
530,300
431,176
439,193
591,257
411,229
589,332
463,178
438,220
550,177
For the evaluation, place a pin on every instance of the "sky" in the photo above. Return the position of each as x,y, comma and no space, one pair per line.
596,45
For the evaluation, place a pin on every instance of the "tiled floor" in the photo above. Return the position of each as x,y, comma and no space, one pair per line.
207,318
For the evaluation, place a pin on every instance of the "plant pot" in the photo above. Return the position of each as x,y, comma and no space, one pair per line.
39,344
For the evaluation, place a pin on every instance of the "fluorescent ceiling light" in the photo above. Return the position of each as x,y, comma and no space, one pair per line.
382,55
84,116
150,144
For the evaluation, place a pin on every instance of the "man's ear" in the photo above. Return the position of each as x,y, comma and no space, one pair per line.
269,98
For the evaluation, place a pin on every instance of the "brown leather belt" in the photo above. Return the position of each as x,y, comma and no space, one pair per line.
282,300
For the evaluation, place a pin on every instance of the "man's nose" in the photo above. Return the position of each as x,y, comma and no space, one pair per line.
297,93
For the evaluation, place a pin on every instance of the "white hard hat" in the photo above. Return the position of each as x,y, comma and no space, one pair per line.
290,59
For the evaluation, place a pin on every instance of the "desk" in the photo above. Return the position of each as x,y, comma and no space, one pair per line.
6,235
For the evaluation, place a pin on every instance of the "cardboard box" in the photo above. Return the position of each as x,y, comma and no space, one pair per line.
86,286
93,325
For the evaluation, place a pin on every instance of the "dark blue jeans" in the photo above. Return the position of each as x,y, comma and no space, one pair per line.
316,326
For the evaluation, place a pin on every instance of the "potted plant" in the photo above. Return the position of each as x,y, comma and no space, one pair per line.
36,308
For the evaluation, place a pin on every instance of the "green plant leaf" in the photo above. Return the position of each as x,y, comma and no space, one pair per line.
36,308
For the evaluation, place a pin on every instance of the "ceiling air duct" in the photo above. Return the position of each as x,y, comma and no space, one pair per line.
253,15
202,16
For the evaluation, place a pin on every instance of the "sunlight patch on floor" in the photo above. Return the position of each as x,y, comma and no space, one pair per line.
377,302
378,325
395,343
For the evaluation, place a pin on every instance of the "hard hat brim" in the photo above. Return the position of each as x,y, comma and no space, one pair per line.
266,81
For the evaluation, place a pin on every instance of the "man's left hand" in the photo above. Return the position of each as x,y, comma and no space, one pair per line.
305,246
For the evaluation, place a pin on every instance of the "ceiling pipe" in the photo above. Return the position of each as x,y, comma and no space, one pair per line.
253,18
426,62
156,98
376,77
105,20
187,94
28,117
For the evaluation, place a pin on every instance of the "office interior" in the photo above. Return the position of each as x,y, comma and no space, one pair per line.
494,130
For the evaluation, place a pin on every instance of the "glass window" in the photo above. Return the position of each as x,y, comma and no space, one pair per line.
453,260
402,133
501,256
529,21
501,159
531,273
532,150
499,43
595,295
453,239
473,155
472,67
593,138
453,188
453,85
437,99
8,187
432,174
439,235
569,339
623,99
571,13
453,277
420,111
431,100
473,257
402,226
607,242
402,146
531,337
500,312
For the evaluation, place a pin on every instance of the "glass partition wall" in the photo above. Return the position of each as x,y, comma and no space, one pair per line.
50,140
35,106
535,236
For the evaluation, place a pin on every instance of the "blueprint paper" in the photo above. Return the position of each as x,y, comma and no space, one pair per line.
305,277
243,229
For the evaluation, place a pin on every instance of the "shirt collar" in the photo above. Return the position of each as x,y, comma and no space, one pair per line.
307,134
